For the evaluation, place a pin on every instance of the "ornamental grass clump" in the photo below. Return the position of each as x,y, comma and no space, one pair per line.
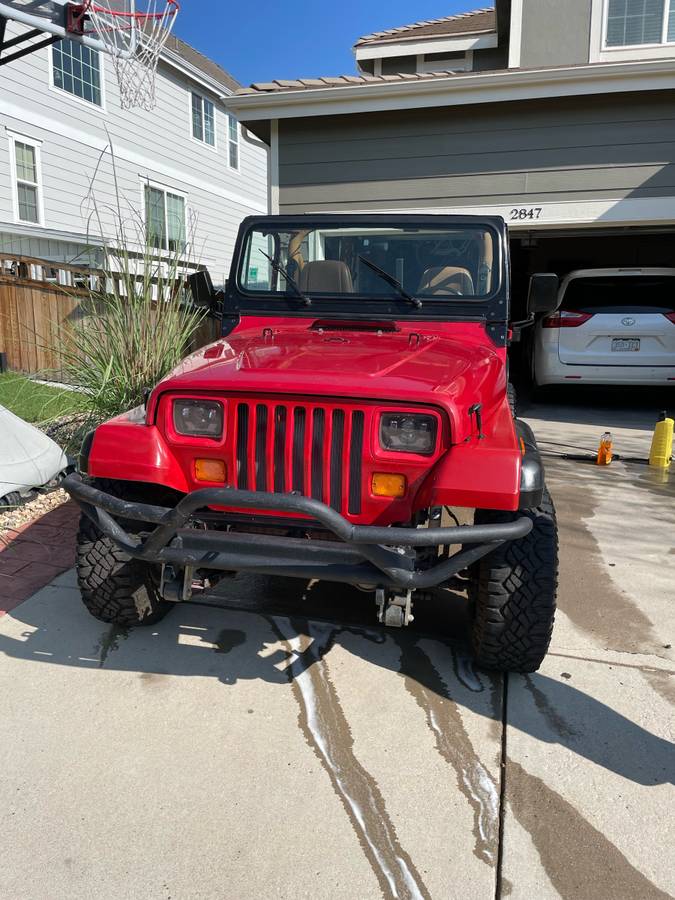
132,329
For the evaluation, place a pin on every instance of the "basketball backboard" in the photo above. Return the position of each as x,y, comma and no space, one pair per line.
58,18
133,38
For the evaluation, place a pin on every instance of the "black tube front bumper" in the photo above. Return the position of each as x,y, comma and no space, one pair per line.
369,555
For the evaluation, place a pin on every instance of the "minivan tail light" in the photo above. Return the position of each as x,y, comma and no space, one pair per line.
670,316
566,318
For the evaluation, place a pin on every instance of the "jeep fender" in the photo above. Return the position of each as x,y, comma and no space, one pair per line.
531,469
504,471
126,450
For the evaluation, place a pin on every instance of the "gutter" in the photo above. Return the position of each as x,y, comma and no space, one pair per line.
455,90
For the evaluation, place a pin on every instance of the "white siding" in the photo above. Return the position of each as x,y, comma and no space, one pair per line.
157,146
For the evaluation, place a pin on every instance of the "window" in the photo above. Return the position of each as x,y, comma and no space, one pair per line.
27,189
164,218
442,62
203,120
233,142
77,70
634,22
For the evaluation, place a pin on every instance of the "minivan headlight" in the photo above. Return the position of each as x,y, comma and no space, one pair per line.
408,433
198,418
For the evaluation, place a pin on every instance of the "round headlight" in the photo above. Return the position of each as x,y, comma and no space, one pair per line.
408,433
200,418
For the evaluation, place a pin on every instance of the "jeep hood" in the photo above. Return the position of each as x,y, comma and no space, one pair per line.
452,367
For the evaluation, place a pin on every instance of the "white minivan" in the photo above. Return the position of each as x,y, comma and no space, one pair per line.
612,326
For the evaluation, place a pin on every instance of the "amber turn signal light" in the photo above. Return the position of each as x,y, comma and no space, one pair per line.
210,470
386,485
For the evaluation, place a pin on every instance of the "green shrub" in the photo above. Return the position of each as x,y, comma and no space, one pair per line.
132,330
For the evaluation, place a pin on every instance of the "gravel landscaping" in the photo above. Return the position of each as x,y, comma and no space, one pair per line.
17,516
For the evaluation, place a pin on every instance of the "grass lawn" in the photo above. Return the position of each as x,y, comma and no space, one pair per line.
36,402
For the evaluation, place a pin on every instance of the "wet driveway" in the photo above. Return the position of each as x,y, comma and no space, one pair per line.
271,741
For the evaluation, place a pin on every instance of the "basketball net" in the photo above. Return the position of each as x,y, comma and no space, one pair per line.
134,41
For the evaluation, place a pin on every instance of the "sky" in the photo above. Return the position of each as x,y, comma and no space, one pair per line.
263,40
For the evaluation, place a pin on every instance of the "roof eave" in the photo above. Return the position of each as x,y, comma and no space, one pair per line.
477,40
456,90
401,39
176,61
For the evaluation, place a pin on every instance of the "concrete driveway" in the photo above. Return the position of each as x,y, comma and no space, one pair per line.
272,742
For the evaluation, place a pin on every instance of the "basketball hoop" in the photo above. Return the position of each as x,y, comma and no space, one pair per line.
133,39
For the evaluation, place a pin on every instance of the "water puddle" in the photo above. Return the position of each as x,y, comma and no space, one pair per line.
109,642
327,732
432,694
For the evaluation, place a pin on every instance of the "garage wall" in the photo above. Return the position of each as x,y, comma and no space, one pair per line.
555,33
571,149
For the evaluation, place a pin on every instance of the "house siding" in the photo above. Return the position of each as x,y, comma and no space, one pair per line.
555,33
571,149
82,179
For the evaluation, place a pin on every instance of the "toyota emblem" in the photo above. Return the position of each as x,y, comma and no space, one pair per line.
628,321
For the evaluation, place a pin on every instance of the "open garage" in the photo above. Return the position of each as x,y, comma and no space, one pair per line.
582,168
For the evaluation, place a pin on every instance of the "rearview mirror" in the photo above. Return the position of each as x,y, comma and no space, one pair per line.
543,294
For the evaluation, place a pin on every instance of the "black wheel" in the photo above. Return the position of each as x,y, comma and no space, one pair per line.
511,396
116,588
9,501
513,592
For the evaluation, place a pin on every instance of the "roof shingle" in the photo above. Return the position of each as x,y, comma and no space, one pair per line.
201,62
478,20
307,84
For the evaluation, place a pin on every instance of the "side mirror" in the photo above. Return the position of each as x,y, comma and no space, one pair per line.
543,294
204,295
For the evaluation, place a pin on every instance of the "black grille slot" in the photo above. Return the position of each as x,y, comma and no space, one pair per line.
242,446
336,461
261,448
279,449
355,458
318,432
299,417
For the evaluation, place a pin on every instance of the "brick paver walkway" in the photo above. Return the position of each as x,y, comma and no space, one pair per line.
34,554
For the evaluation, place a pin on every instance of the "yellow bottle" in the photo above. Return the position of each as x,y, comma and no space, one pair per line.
605,450
662,443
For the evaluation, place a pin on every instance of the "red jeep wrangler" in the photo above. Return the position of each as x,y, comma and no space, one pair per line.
356,404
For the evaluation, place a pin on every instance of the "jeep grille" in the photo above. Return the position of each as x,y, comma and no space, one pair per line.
314,449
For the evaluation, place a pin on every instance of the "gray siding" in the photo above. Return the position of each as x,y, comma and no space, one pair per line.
555,32
588,148
395,64
155,146
492,58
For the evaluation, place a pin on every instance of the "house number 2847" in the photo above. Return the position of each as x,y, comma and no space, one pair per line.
526,212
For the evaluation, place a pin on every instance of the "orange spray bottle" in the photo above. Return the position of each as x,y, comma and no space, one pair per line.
605,450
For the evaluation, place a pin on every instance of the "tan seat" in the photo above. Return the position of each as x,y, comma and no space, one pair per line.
446,280
327,276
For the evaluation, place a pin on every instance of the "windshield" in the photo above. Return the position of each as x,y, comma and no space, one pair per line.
371,262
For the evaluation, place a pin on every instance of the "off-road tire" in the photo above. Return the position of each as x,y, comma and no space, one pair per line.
116,588
513,593
512,398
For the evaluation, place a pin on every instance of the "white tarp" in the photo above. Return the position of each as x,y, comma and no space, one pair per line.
28,458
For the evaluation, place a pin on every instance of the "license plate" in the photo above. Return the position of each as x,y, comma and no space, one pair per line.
623,345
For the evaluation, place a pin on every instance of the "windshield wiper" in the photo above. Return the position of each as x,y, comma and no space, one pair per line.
394,282
289,279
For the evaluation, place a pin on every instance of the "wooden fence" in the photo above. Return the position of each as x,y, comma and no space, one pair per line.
37,300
